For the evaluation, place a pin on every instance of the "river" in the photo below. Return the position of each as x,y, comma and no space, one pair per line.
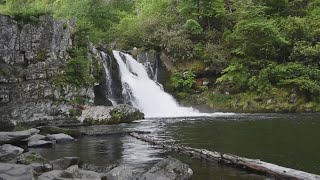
290,140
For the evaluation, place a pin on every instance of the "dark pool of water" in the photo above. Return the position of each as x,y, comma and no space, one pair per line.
290,140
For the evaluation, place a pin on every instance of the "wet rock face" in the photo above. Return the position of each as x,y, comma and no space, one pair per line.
101,91
150,61
31,55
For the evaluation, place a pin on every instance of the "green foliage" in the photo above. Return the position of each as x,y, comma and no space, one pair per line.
219,98
238,74
295,75
40,56
206,11
258,38
98,71
75,112
2,73
25,10
203,88
215,57
193,26
78,100
306,52
77,71
183,81
94,17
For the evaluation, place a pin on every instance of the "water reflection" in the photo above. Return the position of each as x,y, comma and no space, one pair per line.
285,139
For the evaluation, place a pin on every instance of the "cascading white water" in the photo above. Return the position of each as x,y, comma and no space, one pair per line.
146,94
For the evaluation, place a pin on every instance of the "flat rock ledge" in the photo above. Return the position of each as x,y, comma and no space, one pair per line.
11,137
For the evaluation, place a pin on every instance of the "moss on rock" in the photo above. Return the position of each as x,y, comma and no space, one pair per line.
31,157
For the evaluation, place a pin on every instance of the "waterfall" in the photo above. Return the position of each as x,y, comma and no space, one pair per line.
145,93
106,64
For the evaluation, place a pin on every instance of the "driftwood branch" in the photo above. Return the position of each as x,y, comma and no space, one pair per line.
233,160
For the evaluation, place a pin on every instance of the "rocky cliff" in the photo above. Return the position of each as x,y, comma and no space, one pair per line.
31,56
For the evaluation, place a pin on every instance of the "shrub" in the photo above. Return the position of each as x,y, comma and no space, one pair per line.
183,81
237,74
297,75
193,27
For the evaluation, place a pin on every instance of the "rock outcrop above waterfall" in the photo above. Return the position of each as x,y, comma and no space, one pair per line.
32,56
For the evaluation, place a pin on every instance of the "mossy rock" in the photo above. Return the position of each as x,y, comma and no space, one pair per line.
6,125
75,112
90,122
31,157
41,56
56,130
117,116
2,73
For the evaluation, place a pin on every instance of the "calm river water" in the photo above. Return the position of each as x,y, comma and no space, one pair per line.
291,140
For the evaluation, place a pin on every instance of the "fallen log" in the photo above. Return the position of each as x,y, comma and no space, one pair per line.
121,133
233,160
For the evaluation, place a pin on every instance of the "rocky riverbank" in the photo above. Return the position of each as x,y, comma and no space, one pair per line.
17,162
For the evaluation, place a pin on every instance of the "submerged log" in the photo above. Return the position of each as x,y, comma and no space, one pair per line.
233,160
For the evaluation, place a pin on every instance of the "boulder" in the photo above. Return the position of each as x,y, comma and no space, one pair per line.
15,172
6,125
12,137
102,170
98,169
120,173
35,137
292,98
37,140
60,138
64,163
122,113
51,175
72,172
168,169
9,152
39,168
127,113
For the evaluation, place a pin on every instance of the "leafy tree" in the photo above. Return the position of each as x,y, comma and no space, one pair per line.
206,11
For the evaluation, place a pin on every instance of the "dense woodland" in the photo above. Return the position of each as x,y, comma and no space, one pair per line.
259,55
